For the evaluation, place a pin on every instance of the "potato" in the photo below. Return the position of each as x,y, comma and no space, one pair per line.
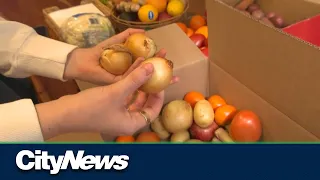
277,21
194,141
215,139
177,116
258,14
203,114
223,135
267,22
181,136
244,4
158,128
253,7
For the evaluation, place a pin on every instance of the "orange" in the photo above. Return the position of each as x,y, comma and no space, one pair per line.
182,26
161,5
224,114
216,101
125,139
190,32
193,97
197,21
148,137
148,13
203,30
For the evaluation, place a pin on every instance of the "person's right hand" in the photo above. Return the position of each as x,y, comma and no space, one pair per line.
102,109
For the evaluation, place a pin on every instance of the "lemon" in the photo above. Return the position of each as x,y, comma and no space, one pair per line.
148,13
175,8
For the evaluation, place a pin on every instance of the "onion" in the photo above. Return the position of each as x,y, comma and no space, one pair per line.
161,77
116,59
253,7
141,46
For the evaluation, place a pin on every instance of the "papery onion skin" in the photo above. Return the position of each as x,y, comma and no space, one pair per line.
116,59
161,77
141,45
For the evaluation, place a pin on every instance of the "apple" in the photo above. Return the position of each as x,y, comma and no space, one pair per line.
203,134
164,16
205,51
246,127
198,39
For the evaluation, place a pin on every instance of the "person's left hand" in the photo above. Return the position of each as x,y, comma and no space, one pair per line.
83,63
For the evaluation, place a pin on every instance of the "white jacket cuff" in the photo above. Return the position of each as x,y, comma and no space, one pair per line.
19,122
44,57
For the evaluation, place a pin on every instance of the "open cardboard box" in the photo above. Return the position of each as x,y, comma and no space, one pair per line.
253,66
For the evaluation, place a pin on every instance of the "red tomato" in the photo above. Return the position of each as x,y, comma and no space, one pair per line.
205,51
206,42
246,127
198,39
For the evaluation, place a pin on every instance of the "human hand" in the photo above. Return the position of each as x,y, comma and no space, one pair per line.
103,109
83,63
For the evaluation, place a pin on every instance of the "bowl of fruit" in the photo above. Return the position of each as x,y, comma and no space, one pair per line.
147,14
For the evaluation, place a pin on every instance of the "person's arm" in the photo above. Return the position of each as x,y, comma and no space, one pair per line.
23,52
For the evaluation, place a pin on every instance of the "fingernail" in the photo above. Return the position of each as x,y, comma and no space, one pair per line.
148,68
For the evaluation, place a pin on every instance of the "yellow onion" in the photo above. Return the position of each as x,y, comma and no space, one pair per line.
161,77
116,59
141,45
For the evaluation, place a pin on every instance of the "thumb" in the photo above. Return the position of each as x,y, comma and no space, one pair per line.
136,78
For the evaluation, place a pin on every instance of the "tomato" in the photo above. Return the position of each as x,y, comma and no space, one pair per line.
148,137
205,51
203,30
224,114
193,97
125,139
216,101
206,43
198,39
246,127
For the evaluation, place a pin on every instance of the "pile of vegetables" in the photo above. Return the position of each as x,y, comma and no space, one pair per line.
118,58
253,9
197,119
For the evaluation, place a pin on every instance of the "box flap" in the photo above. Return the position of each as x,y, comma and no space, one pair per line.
279,68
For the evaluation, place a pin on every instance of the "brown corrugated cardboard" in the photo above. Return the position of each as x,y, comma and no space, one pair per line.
280,69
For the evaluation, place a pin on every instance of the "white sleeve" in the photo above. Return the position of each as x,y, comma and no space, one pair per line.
19,122
23,52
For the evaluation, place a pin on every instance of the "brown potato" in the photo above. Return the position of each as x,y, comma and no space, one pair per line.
267,22
158,128
223,135
203,114
277,21
181,136
258,14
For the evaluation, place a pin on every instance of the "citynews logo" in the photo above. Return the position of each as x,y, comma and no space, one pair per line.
41,160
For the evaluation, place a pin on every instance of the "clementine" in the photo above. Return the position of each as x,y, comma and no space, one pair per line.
216,101
182,26
224,114
148,137
203,30
161,5
189,32
197,21
125,139
193,97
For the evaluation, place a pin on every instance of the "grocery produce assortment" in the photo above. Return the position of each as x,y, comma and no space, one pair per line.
197,119
268,18
149,10
197,31
118,58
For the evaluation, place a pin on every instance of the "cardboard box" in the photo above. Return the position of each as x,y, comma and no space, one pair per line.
252,66
307,30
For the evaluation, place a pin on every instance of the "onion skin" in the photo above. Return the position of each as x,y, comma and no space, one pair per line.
116,59
141,46
161,77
